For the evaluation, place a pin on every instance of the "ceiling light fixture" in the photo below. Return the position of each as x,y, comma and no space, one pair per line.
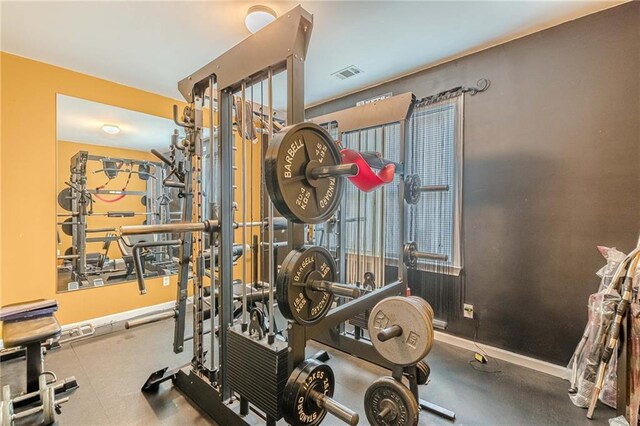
258,17
111,129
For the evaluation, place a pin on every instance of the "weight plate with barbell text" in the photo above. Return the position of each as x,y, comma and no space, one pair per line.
297,301
290,159
413,326
298,406
388,402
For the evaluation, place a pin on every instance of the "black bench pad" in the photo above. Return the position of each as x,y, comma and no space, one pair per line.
24,332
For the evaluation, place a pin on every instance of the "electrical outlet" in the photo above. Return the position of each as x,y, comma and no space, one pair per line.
468,311
165,281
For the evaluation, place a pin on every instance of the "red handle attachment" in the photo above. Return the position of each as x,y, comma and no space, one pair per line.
367,179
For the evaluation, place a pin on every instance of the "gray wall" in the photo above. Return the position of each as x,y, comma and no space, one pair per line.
551,169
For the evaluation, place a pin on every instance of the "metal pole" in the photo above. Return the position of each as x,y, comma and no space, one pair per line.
243,131
212,265
272,275
225,137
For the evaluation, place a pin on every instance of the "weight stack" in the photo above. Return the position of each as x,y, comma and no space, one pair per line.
257,370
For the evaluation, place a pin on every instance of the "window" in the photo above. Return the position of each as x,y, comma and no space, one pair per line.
435,155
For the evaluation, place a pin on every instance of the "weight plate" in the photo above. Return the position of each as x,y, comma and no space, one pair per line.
143,200
388,402
68,251
408,257
417,330
64,199
49,405
298,407
411,191
423,371
426,305
296,301
67,226
291,154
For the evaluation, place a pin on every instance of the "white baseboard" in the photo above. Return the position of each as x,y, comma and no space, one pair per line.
122,316
514,358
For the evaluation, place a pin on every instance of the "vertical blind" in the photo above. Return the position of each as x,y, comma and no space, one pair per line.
435,155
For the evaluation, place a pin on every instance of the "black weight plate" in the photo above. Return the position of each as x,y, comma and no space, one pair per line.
68,251
143,200
423,371
298,407
67,226
304,305
285,163
389,395
411,192
64,199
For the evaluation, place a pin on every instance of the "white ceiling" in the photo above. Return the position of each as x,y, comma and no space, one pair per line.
152,45
79,120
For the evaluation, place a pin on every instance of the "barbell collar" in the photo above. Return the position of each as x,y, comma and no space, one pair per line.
334,171
389,333
332,406
337,289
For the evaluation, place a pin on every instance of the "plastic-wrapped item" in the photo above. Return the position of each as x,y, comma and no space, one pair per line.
585,361
618,421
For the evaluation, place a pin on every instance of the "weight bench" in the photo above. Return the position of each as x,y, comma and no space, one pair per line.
28,325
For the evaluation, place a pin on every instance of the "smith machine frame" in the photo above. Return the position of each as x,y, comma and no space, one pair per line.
255,369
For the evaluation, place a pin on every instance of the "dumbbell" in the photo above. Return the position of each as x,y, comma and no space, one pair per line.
48,404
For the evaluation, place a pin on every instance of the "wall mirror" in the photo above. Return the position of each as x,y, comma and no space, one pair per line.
107,177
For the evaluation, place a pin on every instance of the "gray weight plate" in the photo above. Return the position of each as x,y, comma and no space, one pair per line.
64,199
417,330
288,159
388,402
48,397
426,305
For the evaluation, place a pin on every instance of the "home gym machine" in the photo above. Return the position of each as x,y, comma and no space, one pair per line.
269,373
77,199
382,125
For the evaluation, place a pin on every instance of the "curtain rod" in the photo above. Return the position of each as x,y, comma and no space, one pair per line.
482,85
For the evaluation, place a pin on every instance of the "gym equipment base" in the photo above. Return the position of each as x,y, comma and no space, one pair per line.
198,390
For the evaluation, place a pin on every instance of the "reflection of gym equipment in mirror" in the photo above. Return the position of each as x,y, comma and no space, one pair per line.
79,203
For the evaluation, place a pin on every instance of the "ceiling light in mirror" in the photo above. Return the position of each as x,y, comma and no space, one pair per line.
111,129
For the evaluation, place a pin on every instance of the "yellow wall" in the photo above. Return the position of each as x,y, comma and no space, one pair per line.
28,187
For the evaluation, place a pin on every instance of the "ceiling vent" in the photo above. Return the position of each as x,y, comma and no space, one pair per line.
347,72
